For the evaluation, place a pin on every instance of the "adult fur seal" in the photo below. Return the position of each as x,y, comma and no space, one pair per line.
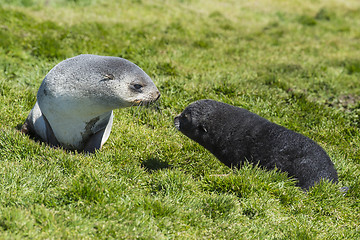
76,98
235,135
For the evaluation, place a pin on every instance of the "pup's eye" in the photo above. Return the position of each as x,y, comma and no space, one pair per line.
187,116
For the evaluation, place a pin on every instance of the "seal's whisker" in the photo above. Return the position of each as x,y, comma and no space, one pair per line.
137,111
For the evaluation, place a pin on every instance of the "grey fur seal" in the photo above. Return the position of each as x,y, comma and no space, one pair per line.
75,102
235,135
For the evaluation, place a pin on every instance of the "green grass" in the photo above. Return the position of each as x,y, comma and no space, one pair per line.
296,63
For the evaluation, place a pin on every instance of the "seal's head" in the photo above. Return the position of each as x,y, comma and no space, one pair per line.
99,83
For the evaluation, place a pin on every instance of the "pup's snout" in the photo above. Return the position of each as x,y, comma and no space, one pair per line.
177,122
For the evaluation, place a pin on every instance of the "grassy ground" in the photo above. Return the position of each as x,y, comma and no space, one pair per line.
296,63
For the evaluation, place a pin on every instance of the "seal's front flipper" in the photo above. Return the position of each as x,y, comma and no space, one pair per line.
50,136
37,127
94,142
97,140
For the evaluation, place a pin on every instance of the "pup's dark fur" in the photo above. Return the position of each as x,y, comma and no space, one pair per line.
235,135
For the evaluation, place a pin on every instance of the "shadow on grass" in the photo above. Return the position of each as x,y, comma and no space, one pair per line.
153,164
18,126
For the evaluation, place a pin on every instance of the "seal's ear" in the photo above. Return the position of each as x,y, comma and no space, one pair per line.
108,77
203,128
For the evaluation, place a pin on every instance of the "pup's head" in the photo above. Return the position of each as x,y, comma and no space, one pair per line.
195,120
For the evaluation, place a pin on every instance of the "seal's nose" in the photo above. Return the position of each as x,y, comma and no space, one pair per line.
158,96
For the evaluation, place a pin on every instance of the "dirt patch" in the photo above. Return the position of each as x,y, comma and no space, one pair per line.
347,102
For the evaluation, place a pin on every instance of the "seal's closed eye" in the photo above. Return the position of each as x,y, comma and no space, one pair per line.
136,87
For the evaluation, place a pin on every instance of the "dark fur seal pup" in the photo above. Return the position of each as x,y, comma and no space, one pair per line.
235,135
76,98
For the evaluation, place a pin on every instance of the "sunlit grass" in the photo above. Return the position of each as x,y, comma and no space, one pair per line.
295,63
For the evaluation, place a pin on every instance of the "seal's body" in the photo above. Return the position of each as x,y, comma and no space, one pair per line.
76,98
235,135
